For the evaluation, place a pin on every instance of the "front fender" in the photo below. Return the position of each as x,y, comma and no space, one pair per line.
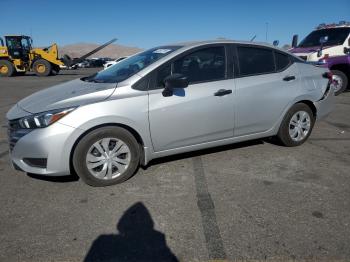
131,112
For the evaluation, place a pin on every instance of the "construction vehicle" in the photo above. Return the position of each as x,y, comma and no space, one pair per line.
17,56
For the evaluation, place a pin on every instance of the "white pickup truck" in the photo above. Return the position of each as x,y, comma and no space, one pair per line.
328,46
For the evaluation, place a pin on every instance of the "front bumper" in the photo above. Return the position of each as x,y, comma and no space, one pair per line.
51,145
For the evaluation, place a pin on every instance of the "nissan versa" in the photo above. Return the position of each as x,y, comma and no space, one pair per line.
163,101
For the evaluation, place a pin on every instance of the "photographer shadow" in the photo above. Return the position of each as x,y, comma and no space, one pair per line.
137,240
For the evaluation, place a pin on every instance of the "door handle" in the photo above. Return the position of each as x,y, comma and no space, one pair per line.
289,78
223,92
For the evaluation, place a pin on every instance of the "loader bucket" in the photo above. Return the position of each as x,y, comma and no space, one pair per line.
70,62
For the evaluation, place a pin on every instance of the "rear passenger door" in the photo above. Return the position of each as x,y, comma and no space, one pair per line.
266,82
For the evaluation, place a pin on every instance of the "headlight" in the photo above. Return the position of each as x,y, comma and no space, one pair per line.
43,119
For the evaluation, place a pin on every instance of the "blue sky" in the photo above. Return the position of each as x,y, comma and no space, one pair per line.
152,22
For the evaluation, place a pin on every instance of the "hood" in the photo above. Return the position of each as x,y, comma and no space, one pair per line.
305,50
69,94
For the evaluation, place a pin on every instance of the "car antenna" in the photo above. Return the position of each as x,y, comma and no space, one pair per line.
251,40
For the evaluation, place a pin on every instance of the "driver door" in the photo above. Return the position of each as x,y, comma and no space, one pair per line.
202,112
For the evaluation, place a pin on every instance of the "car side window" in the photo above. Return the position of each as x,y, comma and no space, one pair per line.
282,61
204,65
255,60
208,64
141,85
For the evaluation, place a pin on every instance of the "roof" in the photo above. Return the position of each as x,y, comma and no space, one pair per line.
191,44
16,35
220,41
333,25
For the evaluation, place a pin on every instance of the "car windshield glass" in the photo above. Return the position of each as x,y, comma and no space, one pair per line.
131,65
14,42
336,36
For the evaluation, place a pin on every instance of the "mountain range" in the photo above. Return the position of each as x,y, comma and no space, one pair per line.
112,51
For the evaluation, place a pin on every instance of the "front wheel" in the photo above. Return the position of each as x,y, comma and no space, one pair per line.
42,67
106,156
340,82
296,126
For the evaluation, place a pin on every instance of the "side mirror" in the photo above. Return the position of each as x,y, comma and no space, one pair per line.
295,41
276,43
174,81
347,49
323,40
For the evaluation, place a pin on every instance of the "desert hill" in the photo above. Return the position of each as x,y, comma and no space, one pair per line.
112,51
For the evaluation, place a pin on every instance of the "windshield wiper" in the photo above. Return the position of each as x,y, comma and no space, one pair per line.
92,79
97,81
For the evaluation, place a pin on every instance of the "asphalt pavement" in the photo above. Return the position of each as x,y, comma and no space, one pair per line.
244,202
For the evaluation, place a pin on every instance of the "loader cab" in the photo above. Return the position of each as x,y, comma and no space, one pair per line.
19,46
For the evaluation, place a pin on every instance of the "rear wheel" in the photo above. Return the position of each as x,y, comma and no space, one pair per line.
106,156
6,68
340,82
42,67
296,126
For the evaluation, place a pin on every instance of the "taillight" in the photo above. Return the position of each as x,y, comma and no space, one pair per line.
328,75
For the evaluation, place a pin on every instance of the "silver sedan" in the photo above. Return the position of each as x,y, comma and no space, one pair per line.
167,100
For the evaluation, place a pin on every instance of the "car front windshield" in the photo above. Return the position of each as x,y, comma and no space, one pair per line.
131,65
336,36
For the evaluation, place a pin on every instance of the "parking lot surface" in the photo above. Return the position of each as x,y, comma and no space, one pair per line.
248,201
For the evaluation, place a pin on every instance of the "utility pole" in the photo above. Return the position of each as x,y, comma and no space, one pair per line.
267,29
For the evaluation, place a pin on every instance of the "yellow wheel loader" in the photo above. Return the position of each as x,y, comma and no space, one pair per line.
17,56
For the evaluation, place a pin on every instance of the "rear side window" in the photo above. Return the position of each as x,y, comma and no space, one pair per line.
282,61
255,61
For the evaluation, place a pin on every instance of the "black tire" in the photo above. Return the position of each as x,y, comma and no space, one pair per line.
7,68
344,81
55,70
20,73
283,134
83,146
42,67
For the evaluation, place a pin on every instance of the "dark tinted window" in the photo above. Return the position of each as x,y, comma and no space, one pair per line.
282,61
336,36
253,60
203,65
